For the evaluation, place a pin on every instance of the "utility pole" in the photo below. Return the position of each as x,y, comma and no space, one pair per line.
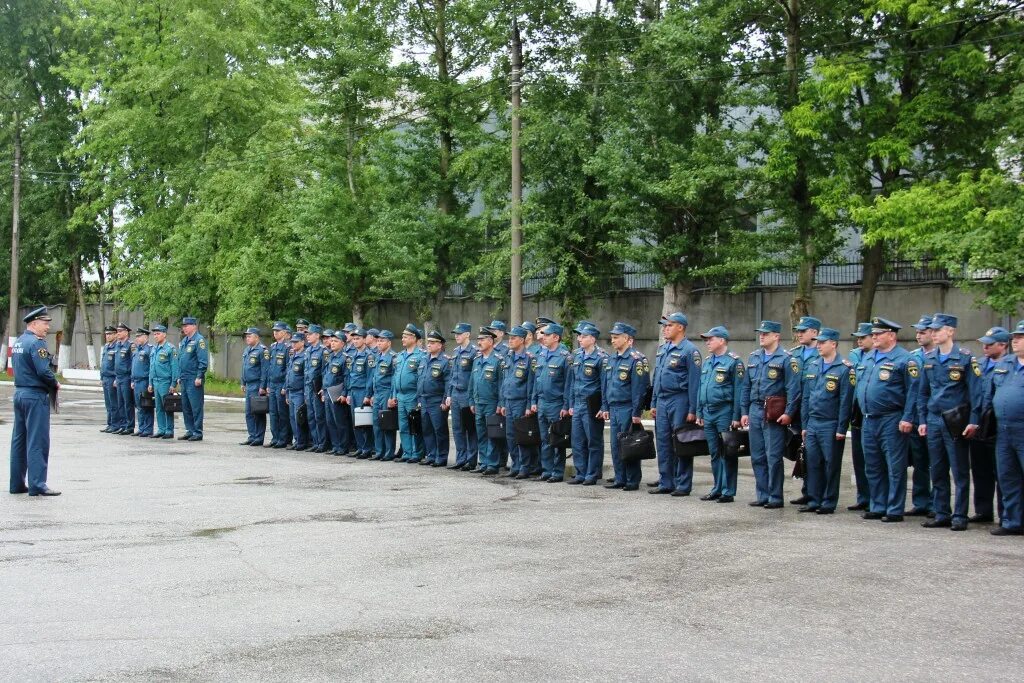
12,323
517,176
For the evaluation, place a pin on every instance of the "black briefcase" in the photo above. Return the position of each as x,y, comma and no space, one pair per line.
594,404
645,404
560,433
527,430
794,442
636,444
856,416
146,401
495,426
957,419
172,403
987,428
334,392
302,416
259,405
468,421
800,466
689,441
416,422
736,443
387,419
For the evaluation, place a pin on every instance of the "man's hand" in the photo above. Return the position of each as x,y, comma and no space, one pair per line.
132,385
970,431
690,417
447,403
654,413
150,388
840,437
570,412
637,420
735,424
532,409
199,382
785,420
367,401
263,392
803,434
472,409
922,430
700,422
392,402
745,421
563,413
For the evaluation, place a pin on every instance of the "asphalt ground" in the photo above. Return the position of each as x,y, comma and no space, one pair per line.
167,560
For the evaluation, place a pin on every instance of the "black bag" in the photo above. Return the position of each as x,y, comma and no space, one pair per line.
636,443
334,392
172,403
645,403
987,428
736,443
794,443
527,430
856,416
387,419
302,416
468,421
259,405
957,419
416,422
594,404
146,401
560,433
689,441
800,466
495,426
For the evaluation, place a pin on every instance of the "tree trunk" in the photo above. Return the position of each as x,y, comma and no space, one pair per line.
678,296
90,348
873,258
517,179
70,318
357,314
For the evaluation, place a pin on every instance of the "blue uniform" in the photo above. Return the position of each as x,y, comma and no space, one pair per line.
889,379
141,361
983,455
1006,397
587,430
407,366
676,382
193,361
256,362
30,441
280,421
163,377
718,405
626,378
434,378
295,390
333,376
775,374
315,411
921,482
107,376
550,395
357,387
123,384
458,391
826,405
514,398
381,389
856,431
484,394
805,354
947,382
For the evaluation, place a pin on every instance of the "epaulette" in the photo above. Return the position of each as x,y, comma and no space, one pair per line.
733,355
965,350
563,351
636,355
796,348
847,363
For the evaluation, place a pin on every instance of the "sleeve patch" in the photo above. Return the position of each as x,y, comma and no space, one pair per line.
202,343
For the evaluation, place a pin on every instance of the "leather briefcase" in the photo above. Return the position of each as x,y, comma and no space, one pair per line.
387,419
736,443
302,416
416,422
334,392
146,401
774,408
172,403
495,426
259,405
689,441
988,427
527,430
468,421
957,419
594,404
800,466
794,444
636,443
560,433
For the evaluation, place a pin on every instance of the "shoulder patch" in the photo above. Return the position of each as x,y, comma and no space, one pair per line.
42,352
794,365
696,358
202,343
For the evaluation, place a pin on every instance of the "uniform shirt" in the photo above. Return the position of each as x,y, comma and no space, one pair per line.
585,374
193,357
256,365
313,372
107,354
383,375
888,379
485,382
334,369
626,378
357,372
30,360
295,379
517,378
163,365
141,361
676,374
462,368
123,359
949,381
407,366
917,355
828,392
534,349
278,370
550,378
435,375
1006,392
805,354
772,374
501,348
721,386
859,368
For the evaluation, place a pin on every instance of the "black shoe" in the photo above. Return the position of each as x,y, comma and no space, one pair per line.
522,475
489,472
1003,531
43,492
958,526
195,438
937,524
270,444
614,485
610,480
826,511
872,515
651,484
365,456
102,431
631,487
245,443
426,463
258,444
981,519
931,514
916,512
185,437
679,493
574,482
456,466
659,491
22,489
756,504
773,506
544,477
711,496
289,447
858,506
806,508
167,436
725,499
802,500
888,519
590,482
555,480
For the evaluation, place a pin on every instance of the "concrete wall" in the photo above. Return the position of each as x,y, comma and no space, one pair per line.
740,313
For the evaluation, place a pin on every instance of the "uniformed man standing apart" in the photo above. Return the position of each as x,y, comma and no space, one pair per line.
380,390
256,363
193,360
295,392
890,377
435,376
333,376
674,402
163,376
107,376
313,377
1006,397
983,450
458,397
827,403
140,381
865,344
403,392
280,422
921,482
123,380
551,398
514,401
33,382
805,331
357,387
626,378
484,394
773,377
951,377
718,409
588,368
